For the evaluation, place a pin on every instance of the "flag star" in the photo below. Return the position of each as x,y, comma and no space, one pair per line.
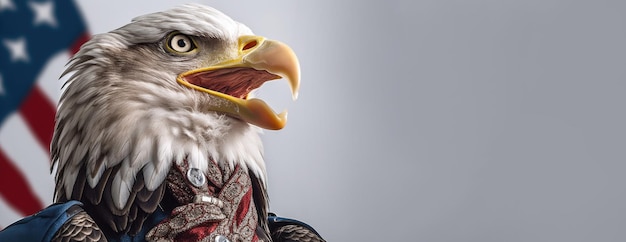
17,48
44,13
1,86
6,4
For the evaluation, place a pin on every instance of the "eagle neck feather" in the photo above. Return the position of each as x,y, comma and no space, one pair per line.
122,108
139,137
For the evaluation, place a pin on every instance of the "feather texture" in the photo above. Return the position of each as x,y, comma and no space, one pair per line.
80,228
295,233
123,120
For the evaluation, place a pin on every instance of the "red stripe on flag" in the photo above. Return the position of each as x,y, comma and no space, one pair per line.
38,112
15,189
79,42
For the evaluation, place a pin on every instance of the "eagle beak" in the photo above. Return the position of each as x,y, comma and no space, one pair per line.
271,60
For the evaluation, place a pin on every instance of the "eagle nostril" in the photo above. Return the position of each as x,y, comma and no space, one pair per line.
250,45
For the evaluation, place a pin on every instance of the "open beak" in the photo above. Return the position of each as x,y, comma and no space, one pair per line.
259,60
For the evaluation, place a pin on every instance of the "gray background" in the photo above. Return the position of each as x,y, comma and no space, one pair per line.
443,120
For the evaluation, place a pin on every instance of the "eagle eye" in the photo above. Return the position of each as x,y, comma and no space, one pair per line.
180,43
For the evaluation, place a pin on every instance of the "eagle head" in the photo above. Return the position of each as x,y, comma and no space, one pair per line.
169,87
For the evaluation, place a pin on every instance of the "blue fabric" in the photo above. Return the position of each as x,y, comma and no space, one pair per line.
41,226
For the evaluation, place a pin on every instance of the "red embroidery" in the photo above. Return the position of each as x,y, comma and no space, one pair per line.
209,210
242,210
197,233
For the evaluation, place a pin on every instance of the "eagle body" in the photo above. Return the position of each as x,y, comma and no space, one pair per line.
157,133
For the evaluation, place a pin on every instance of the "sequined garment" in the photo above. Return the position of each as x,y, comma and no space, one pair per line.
216,206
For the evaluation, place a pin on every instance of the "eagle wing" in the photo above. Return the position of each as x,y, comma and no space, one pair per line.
80,227
295,233
291,230
141,203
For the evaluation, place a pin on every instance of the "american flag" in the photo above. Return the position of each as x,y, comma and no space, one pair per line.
36,39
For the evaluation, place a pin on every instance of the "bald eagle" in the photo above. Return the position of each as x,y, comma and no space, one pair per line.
157,132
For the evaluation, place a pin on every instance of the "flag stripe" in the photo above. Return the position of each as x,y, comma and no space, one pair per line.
79,42
38,112
27,110
48,79
18,194
20,146
9,214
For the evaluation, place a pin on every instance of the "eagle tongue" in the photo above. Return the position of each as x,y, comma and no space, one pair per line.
233,85
236,82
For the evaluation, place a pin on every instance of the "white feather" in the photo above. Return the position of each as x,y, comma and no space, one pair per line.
142,119
70,178
93,180
120,186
